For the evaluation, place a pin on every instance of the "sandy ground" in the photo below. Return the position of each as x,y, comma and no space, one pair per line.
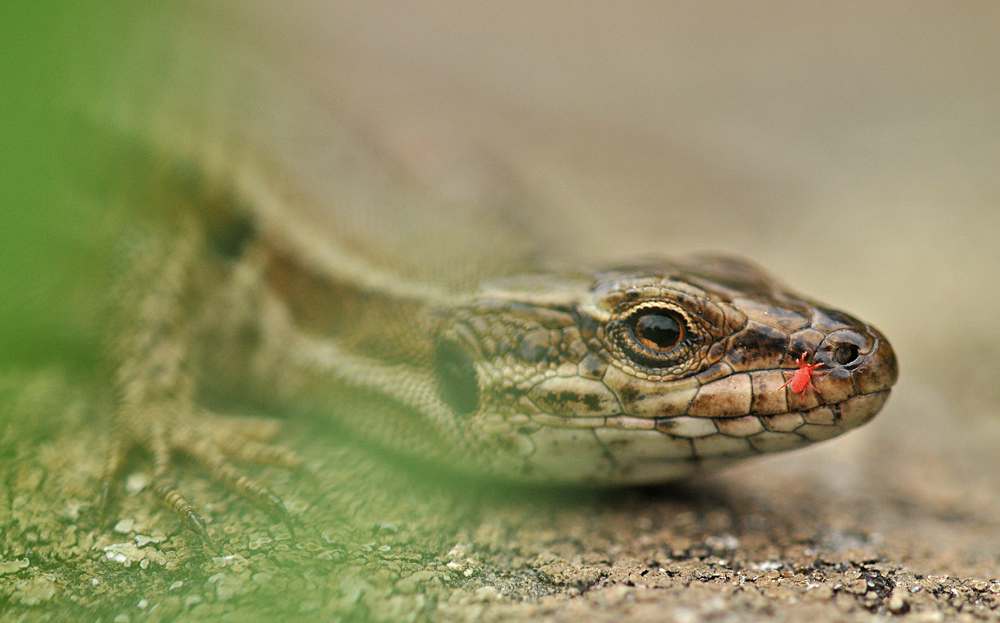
897,520
852,151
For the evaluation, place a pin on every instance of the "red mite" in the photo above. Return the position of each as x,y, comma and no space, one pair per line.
802,378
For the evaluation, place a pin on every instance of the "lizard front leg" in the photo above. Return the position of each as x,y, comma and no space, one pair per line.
156,382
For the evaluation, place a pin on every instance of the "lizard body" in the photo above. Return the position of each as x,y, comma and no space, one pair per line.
285,258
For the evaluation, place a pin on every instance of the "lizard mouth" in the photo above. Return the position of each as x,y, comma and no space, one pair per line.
656,431
794,429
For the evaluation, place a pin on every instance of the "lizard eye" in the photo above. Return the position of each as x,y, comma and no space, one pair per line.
657,329
653,335
661,338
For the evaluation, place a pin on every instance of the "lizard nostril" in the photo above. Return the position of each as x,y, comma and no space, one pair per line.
845,353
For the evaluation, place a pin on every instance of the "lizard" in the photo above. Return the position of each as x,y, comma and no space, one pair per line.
250,283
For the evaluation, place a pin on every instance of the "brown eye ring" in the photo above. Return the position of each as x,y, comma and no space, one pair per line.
656,339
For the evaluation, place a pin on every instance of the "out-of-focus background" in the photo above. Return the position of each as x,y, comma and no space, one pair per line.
852,148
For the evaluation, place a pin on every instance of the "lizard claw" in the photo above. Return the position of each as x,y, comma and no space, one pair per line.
211,440
188,514
276,509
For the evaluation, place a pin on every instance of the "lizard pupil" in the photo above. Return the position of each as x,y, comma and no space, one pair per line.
657,331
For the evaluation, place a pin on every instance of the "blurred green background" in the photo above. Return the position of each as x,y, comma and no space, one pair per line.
51,255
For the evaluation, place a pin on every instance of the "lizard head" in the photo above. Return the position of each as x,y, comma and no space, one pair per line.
649,371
